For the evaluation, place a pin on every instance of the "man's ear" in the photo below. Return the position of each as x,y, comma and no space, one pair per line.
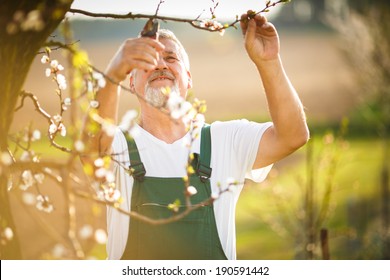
189,79
131,80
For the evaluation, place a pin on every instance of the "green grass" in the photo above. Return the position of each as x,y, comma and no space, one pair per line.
267,223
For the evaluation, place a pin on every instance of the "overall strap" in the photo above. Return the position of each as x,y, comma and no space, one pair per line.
204,169
136,166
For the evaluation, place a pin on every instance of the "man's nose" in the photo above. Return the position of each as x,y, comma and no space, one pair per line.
161,63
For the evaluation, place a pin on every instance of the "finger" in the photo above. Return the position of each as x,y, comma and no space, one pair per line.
260,20
153,43
244,23
251,31
269,27
142,65
142,56
264,26
140,50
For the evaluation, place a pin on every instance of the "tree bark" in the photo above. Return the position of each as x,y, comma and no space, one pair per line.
18,49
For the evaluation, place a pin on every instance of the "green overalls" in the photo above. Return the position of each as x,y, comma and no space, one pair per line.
193,237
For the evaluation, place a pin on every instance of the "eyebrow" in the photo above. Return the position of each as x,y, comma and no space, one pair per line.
170,52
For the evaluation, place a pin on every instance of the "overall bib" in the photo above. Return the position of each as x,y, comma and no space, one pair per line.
193,237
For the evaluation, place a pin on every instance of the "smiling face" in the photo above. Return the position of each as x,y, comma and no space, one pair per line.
170,71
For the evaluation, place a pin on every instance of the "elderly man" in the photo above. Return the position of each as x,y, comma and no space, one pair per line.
158,155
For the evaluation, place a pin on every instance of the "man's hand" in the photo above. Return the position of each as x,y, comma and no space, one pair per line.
140,53
261,38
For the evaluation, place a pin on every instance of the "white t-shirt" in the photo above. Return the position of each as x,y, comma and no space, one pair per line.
234,146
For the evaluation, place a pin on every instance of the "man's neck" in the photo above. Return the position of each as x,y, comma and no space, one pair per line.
161,125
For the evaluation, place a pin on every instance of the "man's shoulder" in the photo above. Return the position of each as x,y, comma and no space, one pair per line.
237,130
237,124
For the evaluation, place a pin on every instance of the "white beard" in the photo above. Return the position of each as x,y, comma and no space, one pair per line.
156,97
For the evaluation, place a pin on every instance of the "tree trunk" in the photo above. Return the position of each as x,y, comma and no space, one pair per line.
18,48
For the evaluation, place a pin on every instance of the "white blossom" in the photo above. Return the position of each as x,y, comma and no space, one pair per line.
54,63
212,25
99,162
25,156
200,118
60,67
191,190
27,179
102,82
100,236
58,251
45,59
5,158
23,187
39,177
100,172
94,104
28,198
177,106
61,81
33,21
110,177
8,233
10,183
100,79
127,119
97,75
134,131
86,231
109,128
47,72
89,86
57,118
62,129
36,135
52,128
111,194
43,204
67,101
215,195
79,146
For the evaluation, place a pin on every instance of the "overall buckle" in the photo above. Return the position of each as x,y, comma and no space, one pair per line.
138,171
204,172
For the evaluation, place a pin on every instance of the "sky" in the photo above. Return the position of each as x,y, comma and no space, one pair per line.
227,9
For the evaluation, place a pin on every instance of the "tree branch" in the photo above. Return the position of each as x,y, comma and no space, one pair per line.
196,23
46,115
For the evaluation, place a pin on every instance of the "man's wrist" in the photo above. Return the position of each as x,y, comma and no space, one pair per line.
269,64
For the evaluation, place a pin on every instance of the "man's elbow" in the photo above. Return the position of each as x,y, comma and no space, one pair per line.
299,139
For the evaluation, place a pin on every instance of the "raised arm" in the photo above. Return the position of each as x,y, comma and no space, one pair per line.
289,131
139,53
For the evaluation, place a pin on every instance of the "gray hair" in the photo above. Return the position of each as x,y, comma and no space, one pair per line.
168,34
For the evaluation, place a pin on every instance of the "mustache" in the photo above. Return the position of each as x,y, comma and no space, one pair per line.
159,73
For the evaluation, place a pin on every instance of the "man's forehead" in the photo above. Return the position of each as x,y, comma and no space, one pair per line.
170,46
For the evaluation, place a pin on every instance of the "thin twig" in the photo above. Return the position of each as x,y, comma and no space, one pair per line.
158,7
193,22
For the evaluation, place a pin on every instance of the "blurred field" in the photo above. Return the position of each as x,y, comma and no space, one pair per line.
270,219
224,76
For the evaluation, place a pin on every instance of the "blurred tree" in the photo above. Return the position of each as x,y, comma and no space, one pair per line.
302,12
25,26
365,27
